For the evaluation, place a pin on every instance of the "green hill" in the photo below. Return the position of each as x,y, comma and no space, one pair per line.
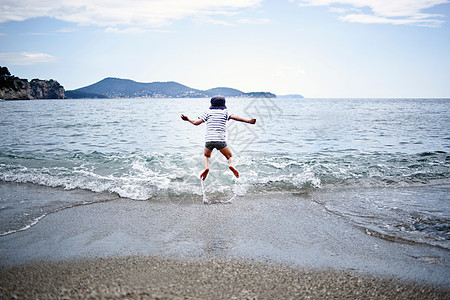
126,88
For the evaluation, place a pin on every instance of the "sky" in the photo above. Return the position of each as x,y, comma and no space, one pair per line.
316,48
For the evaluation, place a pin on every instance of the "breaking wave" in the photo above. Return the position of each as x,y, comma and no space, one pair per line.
145,176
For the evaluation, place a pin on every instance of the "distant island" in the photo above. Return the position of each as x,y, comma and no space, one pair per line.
15,88
290,96
126,88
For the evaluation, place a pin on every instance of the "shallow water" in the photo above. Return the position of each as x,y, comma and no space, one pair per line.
141,149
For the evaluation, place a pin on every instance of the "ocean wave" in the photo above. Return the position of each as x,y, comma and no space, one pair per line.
412,214
26,226
349,185
144,176
29,211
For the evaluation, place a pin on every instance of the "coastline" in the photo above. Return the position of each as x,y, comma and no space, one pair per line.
102,248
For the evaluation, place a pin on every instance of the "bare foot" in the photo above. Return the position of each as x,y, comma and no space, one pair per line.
204,174
235,172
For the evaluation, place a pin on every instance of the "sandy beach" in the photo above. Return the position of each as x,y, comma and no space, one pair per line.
271,246
140,277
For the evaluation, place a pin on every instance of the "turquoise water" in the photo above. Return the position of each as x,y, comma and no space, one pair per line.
141,149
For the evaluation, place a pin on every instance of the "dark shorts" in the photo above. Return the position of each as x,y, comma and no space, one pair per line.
217,145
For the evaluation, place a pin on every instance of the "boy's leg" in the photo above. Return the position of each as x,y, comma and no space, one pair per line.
207,157
227,153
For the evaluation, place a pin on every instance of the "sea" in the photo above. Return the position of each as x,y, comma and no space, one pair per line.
382,164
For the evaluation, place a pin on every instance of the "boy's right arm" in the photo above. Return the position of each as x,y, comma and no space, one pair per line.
194,122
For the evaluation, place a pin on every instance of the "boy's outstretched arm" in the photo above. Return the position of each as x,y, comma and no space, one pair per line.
194,122
241,119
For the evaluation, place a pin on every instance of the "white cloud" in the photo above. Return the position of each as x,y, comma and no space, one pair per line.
384,11
372,19
342,10
132,30
111,13
255,21
210,20
220,21
25,58
126,30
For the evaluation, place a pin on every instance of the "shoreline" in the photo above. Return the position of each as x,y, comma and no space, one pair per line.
139,277
288,234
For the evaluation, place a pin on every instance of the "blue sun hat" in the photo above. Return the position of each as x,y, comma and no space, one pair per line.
218,102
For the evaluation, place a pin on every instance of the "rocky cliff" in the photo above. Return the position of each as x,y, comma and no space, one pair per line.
47,89
14,88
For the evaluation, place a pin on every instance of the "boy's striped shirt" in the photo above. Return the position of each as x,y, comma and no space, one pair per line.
216,121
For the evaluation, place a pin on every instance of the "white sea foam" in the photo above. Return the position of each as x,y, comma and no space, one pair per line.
28,226
142,176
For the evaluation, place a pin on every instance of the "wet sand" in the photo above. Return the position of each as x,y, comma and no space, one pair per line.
263,246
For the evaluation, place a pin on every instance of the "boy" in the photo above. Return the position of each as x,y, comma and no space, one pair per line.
216,118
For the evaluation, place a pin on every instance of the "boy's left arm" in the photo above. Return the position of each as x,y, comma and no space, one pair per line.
241,119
